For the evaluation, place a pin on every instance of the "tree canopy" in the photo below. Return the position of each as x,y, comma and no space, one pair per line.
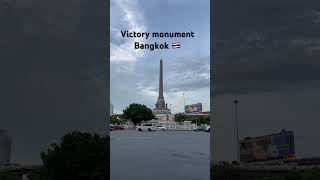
201,120
179,118
78,156
137,113
114,120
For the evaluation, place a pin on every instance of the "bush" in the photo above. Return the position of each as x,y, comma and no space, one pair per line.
79,156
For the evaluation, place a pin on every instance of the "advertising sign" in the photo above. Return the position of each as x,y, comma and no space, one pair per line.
192,108
275,146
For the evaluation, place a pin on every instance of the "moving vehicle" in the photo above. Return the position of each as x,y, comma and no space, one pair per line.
146,127
160,128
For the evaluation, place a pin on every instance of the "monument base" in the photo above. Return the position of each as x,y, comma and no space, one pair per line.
164,111
166,120
165,117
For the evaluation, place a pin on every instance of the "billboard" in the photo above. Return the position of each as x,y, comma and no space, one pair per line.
274,146
192,108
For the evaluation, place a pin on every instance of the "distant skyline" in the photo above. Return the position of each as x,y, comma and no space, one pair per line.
135,73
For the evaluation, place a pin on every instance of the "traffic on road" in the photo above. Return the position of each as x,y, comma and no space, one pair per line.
154,127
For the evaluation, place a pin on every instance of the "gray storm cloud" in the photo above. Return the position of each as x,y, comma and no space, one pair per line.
265,45
52,71
266,55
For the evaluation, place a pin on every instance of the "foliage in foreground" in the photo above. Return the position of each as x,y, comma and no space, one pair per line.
79,156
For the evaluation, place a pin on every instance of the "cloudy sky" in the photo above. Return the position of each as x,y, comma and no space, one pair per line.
135,73
267,55
52,72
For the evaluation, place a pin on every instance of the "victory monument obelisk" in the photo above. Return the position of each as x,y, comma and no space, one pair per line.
161,111
161,106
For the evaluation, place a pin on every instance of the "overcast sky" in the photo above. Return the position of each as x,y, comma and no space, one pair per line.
53,64
52,72
267,55
135,73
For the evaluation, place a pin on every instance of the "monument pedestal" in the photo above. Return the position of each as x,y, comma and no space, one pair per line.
166,120
164,111
165,117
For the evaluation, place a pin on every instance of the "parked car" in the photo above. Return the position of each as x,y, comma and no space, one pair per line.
118,127
146,127
207,129
199,128
160,128
202,128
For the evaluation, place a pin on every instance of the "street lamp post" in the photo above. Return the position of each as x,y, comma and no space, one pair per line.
197,121
236,102
184,103
168,122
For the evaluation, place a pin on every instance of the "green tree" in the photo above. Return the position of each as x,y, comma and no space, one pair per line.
137,113
79,156
114,120
179,118
205,120
201,120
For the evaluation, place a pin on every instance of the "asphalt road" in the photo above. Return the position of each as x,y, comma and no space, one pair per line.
169,155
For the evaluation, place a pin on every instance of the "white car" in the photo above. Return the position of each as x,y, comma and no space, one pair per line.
160,128
146,127
202,128
207,129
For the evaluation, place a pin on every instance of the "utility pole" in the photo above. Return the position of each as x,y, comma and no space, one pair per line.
197,121
184,103
236,102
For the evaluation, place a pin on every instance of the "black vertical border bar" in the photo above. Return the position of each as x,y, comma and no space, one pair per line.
213,19
107,75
